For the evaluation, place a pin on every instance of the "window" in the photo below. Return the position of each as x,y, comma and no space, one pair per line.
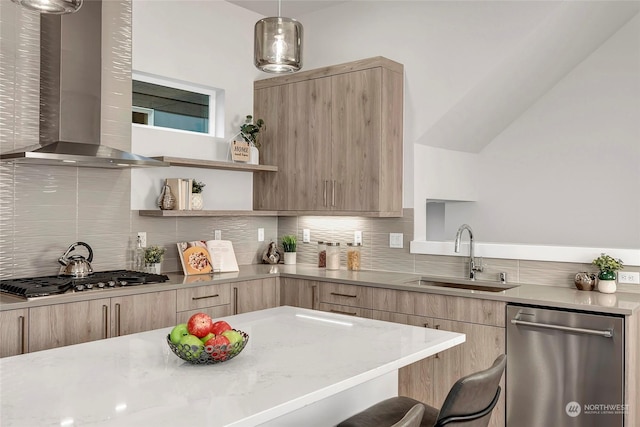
168,103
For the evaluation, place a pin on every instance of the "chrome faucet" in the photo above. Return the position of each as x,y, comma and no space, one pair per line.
473,268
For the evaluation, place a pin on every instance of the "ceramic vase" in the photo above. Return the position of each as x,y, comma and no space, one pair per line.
154,268
167,200
606,286
254,155
290,258
197,201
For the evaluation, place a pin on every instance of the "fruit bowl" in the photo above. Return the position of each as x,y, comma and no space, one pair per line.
209,354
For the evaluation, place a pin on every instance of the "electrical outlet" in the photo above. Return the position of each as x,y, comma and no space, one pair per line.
217,235
260,234
632,277
357,237
395,240
143,238
306,235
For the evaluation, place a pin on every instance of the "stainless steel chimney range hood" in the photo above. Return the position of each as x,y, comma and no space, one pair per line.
71,97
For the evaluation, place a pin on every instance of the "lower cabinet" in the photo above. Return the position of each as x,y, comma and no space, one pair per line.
142,312
299,293
255,295
14,332
58,325
214,300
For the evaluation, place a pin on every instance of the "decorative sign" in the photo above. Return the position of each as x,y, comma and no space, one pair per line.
240,151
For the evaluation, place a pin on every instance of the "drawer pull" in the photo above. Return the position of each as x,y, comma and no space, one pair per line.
117,319
204,297
437,354
343,312
23,336
105,321
343,295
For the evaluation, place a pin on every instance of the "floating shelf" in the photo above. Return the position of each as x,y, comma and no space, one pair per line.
214,164
192,213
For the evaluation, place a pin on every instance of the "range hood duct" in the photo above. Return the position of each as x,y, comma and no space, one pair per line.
70,96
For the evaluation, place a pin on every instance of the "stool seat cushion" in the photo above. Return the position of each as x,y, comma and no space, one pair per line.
388,412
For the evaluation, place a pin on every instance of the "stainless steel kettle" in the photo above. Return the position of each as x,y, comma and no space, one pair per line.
76,265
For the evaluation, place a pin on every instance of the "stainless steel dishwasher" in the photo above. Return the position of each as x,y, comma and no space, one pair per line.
564,368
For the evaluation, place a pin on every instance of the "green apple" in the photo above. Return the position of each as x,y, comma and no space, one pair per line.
233,336
178,332
194,342
207,337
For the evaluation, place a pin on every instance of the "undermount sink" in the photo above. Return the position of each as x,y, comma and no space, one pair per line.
470,285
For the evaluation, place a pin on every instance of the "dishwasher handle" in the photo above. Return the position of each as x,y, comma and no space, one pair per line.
606,333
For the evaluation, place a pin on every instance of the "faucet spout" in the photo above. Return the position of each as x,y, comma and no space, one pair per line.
473,266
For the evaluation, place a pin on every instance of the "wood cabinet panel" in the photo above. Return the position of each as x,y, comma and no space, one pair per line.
142,312
215,312
341,294
255,295
14,332
58,325
203,296
299,293
339,150
345,309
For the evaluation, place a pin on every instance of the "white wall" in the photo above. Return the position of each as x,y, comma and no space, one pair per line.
208,43
530,166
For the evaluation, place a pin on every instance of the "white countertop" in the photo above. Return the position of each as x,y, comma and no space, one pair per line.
294,358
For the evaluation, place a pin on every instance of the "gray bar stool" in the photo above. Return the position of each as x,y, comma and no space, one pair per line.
468,404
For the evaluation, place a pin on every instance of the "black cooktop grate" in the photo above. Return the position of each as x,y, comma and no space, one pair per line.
31,287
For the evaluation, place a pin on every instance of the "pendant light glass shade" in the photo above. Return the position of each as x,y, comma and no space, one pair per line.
53,7
278,45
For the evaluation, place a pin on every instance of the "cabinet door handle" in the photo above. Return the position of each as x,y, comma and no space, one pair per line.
235,300
23,336
343,312
105,320
204,297
437,354
313,297
117,319
333,193
325,192
343,295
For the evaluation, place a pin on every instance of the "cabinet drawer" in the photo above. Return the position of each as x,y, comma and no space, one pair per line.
345,309
214,312
337,293
203,296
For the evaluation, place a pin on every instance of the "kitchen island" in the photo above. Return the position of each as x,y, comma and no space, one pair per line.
300,367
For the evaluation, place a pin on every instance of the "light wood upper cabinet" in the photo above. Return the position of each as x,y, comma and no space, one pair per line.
14,332
335,135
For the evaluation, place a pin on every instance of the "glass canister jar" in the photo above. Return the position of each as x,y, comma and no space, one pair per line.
333,256
353,256
322,254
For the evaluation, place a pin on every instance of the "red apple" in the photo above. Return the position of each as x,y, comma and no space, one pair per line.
220,326
200,324
218,347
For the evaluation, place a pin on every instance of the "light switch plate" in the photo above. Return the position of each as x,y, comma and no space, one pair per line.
217,235
357,237
306,235
143,238
396,240
260,234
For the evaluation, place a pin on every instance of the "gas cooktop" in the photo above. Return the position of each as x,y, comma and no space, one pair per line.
31,287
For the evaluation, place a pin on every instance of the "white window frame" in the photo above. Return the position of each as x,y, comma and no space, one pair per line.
216,97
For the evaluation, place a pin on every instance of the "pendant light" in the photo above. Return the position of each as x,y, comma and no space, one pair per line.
53,7
278,44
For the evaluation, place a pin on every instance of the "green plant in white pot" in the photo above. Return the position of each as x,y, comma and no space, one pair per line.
197,201
250,132
289,243
153,256
607,275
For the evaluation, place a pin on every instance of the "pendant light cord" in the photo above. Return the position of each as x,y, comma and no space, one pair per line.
279,6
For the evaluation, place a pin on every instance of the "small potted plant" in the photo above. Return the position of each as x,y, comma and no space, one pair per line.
289,245
250,132
197,201
607,275
153,257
